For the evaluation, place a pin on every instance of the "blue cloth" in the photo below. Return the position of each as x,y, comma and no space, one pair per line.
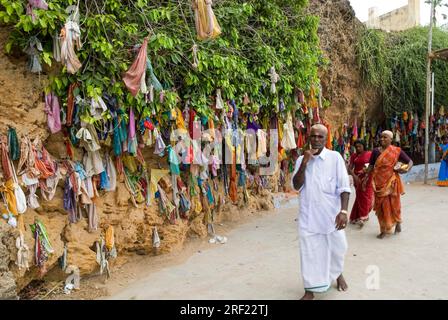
104,180
173,160
80,170
443,172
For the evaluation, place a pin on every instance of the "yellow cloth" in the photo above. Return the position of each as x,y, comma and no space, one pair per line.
280,130
8,192
180,120
129,163
110,239
156,175
211,127
207,26
196,203
312,100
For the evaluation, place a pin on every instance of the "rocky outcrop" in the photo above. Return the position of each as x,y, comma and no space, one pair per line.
341,78
21,98
7,281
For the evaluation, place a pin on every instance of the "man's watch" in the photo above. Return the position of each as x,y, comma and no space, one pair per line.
344,211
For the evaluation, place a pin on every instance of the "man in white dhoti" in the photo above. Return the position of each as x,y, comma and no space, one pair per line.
321,177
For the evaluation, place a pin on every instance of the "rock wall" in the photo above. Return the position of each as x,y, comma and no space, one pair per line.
341,80
22,106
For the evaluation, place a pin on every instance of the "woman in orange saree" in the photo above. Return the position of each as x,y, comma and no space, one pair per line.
387,184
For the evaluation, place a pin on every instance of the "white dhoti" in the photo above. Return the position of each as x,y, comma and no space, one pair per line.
321,258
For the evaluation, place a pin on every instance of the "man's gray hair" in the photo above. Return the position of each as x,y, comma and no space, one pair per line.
319,126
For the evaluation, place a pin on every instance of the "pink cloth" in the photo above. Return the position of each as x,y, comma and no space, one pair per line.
53,111
132,78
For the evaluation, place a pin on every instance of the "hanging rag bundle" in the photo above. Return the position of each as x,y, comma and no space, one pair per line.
70,104
48,186
53,111
184,205
93,217
288,141
9,199
155,238
111,173
43,163
160,144
274,79
33,50
117,136
156,175
209,193
57,47
32,201
251,146
43,246
174,161
13,144
219,102
316,116
301,139
101,257
97,107
195,63
70,40
6,164
180,123
152,82
329,144
262,143
35,4
70,204
233,192
110,238
215,163
362,134
88,137
165,205
207,26
23,252
132,137
355,130
136,73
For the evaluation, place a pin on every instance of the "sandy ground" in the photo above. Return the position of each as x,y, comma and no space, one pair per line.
261,259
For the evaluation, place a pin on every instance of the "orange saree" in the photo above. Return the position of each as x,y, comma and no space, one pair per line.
388,188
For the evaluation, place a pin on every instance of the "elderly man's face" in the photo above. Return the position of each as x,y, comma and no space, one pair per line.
318,138
385,140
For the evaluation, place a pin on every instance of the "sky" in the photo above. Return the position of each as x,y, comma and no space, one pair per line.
361,8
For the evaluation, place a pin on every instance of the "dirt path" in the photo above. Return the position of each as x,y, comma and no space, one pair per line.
261,261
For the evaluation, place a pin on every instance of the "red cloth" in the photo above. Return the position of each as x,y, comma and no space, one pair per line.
364,198
132,78
329,144
300,140
190,122
70,104
6,165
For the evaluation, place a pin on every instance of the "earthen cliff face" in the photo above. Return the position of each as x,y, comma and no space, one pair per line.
22,106
341,80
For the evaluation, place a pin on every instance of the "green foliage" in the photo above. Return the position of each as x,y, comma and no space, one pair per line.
257,34
395,63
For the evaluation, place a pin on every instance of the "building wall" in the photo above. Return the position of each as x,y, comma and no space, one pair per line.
399,19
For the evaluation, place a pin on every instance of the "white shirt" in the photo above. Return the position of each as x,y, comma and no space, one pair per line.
320,202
